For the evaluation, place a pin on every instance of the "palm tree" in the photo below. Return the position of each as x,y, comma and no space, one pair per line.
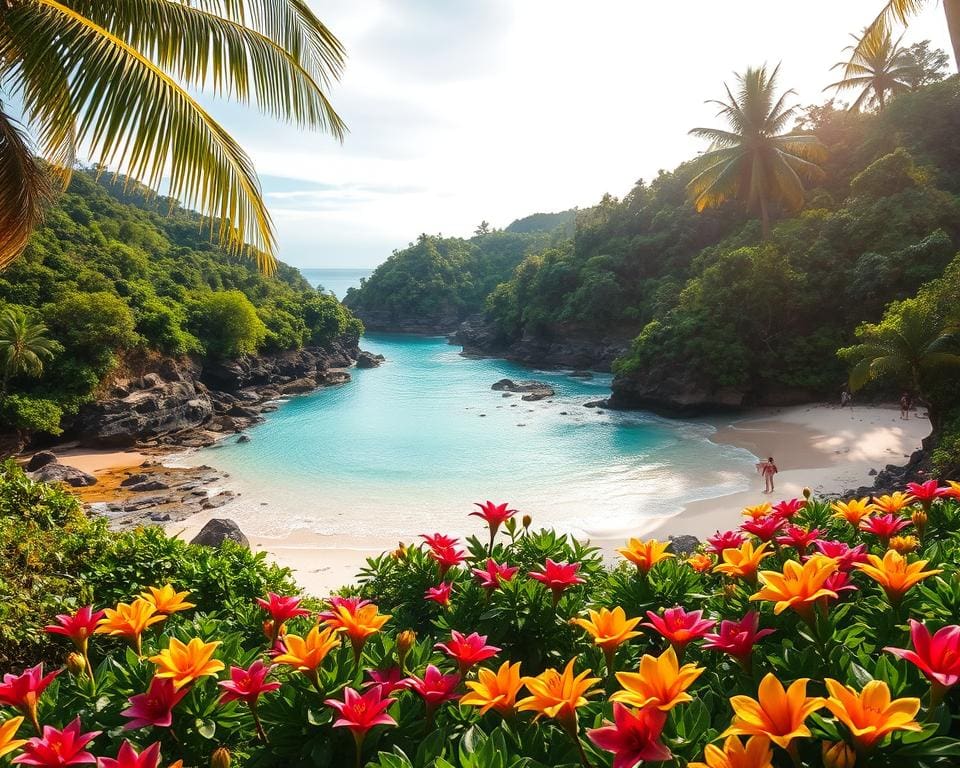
880,68
23,346
899,11
112,78
754,161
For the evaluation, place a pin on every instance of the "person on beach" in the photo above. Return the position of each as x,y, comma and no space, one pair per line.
905,405
768,469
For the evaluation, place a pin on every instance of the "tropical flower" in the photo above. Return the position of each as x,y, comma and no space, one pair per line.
737,638
358,624
632,737
883,526
440,594
798,587
660,682
733,754
390,679
788,508
129,620
247,685
186,662
77,626
776,713
439,540
467,650
305,654
645,554
953,491
854,510
8,731
726,540
558,694
926,493
128,757
839,582
758,511
447,558
871,714
904,544
495,690
281,610
609,629
23,691
937,656
494,515
920,518
700,562
155,707
895,574
405,642
434,687
360,712
798,537
893,503
845,555
765,529
352,604
743,562
558,577
679,626
494,574
55,747
166,599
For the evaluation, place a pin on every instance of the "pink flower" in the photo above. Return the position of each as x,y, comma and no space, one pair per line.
280,609
127,757
247,684
155,707
679,627
77,626
737,638
447,558
361,711
55,748
845,555
468,650
726,540
839,582
884,526
440,594
787,509
439,540
494,575
389,680
937,656
928,492
23,691
797,537
632,737
558,577
434,687
764,528
352,604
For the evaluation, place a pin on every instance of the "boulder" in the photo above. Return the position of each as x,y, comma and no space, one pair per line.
243,438
41,459
369,360
217,530
596,404
139,477
333,377
149,485
62,473
531,390
684,545
299,386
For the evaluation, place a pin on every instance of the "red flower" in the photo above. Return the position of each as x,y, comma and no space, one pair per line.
839,581
928,492
439,540
155,707
281,609
737,638
352,604
24,690
494,575
361,711
937,656
440,594
247,684
845,555
495,515
797,537
787,509
56,748
558,577
434,687
127,757
726,540
679,627
468,650
78,626
884,526
632,737
389,680
765,528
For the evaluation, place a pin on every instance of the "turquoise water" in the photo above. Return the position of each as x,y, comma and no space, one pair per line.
337,280
410,445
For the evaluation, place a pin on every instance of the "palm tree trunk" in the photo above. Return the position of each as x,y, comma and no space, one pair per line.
764,218
952,10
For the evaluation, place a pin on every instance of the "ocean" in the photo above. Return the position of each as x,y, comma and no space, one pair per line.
337,280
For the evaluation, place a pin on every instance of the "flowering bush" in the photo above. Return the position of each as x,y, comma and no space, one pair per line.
774,646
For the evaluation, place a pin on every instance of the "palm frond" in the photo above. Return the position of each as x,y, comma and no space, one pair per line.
893,12
24,189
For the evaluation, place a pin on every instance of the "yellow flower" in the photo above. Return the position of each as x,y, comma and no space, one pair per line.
853,511
895,574
904,544
756,754
166,599
700,562
558,695
645,554
609,628
758,510
871,714
799,586
776,713
305,654
660,682
894,502
129,620
7,732
185,662
744,561
495,690
358,624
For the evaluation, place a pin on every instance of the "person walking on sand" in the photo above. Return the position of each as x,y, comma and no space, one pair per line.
905,406
768,469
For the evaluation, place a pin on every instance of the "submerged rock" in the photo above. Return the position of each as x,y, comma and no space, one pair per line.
530,390
369,360
217,530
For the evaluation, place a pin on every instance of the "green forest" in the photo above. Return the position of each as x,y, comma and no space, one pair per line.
116,275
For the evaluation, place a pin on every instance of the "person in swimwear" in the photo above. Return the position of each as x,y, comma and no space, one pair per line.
768,469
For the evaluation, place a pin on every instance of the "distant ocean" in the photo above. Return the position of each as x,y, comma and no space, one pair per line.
337,280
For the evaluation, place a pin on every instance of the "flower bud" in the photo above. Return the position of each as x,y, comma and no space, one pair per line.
838,755
729,591
220,758
405,641
526,520
76,664
807,493
400,553
919,519
510,525
904,544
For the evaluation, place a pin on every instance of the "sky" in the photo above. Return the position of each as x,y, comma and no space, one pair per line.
468,110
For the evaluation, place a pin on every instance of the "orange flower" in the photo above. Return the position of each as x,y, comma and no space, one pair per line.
756,754
358,624
645,554
609,629
954,491
700,562
893,503
660,682
853,511
758,510
895,574
166,599
495,690
744,561
776,713
185,662
871,714
129,620
904,544
305,654
7,732
799,586
558,694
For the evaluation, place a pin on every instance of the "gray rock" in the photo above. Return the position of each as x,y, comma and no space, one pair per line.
149,485
62,473
596,404
530,390
217,530
684,545
334,377
872,472
369,360
243,438
299,386
41,459
139,477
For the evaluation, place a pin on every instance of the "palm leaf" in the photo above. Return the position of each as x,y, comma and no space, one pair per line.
893,11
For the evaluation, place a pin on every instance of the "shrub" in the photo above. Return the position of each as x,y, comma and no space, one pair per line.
227,324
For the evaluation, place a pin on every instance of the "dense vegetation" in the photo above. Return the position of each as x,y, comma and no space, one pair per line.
116,277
